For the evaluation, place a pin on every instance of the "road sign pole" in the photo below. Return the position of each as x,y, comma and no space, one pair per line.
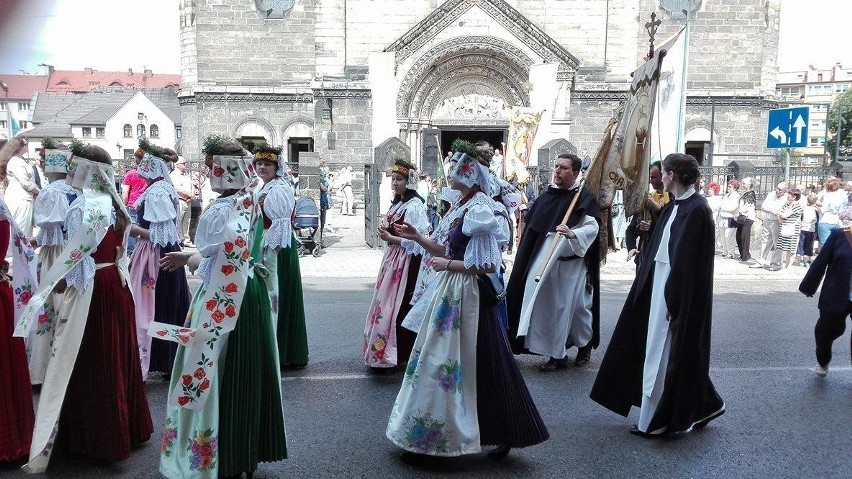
787,167
837,136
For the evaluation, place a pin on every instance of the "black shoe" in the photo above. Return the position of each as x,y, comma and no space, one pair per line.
499,452
553,364
634,429
702,423
584,355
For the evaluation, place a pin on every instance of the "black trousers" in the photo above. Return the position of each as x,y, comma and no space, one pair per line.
829,327
744,240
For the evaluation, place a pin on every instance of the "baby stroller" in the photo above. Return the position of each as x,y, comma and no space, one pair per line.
305,225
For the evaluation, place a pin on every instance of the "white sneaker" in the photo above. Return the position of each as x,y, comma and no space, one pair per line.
821,371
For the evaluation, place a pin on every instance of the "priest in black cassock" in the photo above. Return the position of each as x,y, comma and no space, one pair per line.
659,354
561,310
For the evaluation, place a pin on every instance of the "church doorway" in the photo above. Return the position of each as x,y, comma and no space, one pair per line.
493,136
296,146
697,149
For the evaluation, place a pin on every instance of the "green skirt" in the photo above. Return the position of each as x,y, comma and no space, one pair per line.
292,333
251,417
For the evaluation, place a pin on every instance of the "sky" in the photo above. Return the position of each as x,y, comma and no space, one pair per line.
114,35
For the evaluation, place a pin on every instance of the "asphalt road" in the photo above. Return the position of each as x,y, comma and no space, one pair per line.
781,420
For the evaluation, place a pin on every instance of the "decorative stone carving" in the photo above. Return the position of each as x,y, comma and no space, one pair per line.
553,148
473,106
460,53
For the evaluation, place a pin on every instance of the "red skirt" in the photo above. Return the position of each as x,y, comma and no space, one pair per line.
16,397
105,411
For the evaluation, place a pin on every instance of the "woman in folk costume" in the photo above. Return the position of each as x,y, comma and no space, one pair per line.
659,354
224,412
16,407
462,388
161,296
49,211
281,259
93,399
385,341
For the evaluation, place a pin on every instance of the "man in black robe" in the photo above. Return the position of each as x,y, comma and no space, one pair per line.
542,218
688,399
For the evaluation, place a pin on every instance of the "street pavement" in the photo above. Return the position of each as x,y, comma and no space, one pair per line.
781,420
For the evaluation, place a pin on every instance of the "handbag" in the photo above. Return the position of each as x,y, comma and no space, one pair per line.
487,293
741,219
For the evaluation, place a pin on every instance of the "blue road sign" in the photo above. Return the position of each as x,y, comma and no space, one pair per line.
788,128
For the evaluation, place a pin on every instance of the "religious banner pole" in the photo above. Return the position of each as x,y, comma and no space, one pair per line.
555,242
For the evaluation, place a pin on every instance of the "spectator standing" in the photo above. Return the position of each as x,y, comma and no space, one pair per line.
806,236
834,262
745,219
832,200
325,188
21,190
770,256
132,187
726,224
347,206
791,225
183,185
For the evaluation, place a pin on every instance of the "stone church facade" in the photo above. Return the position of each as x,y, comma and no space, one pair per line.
341,77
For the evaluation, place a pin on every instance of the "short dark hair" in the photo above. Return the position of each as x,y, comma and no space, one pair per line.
684,166
576,162
797,193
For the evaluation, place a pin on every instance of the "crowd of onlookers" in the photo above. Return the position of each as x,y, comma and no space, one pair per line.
792,221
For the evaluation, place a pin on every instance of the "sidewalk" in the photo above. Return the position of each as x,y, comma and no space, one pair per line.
348,256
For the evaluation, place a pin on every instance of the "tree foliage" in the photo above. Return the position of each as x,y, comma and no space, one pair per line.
842,104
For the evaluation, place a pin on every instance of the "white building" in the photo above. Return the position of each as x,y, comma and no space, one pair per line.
112,118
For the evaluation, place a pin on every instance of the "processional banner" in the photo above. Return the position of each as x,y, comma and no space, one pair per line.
523,126
625,164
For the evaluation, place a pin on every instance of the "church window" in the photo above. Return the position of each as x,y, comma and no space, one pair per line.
155,131
128,130
140,131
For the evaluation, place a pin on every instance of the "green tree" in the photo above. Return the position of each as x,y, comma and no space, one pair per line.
842,104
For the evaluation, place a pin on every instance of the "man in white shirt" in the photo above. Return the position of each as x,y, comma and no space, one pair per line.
770,256
22,189
183,186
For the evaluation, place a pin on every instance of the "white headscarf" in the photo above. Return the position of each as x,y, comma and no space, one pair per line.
152,167
468,171
230,172
56,161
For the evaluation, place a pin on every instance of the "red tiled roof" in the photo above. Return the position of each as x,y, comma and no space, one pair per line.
22,87
81,81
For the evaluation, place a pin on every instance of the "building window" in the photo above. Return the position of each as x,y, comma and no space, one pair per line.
24,125
178,133
87,132
841,87
100,133
789,90
3,125
2,106
819,89
817,141
128,130
23,106
140,131
155,131
128,154
140,116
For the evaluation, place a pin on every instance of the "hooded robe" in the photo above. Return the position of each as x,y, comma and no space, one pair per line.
688,395
543,217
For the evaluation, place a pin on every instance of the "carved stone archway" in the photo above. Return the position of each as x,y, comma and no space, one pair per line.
255,126
492,70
